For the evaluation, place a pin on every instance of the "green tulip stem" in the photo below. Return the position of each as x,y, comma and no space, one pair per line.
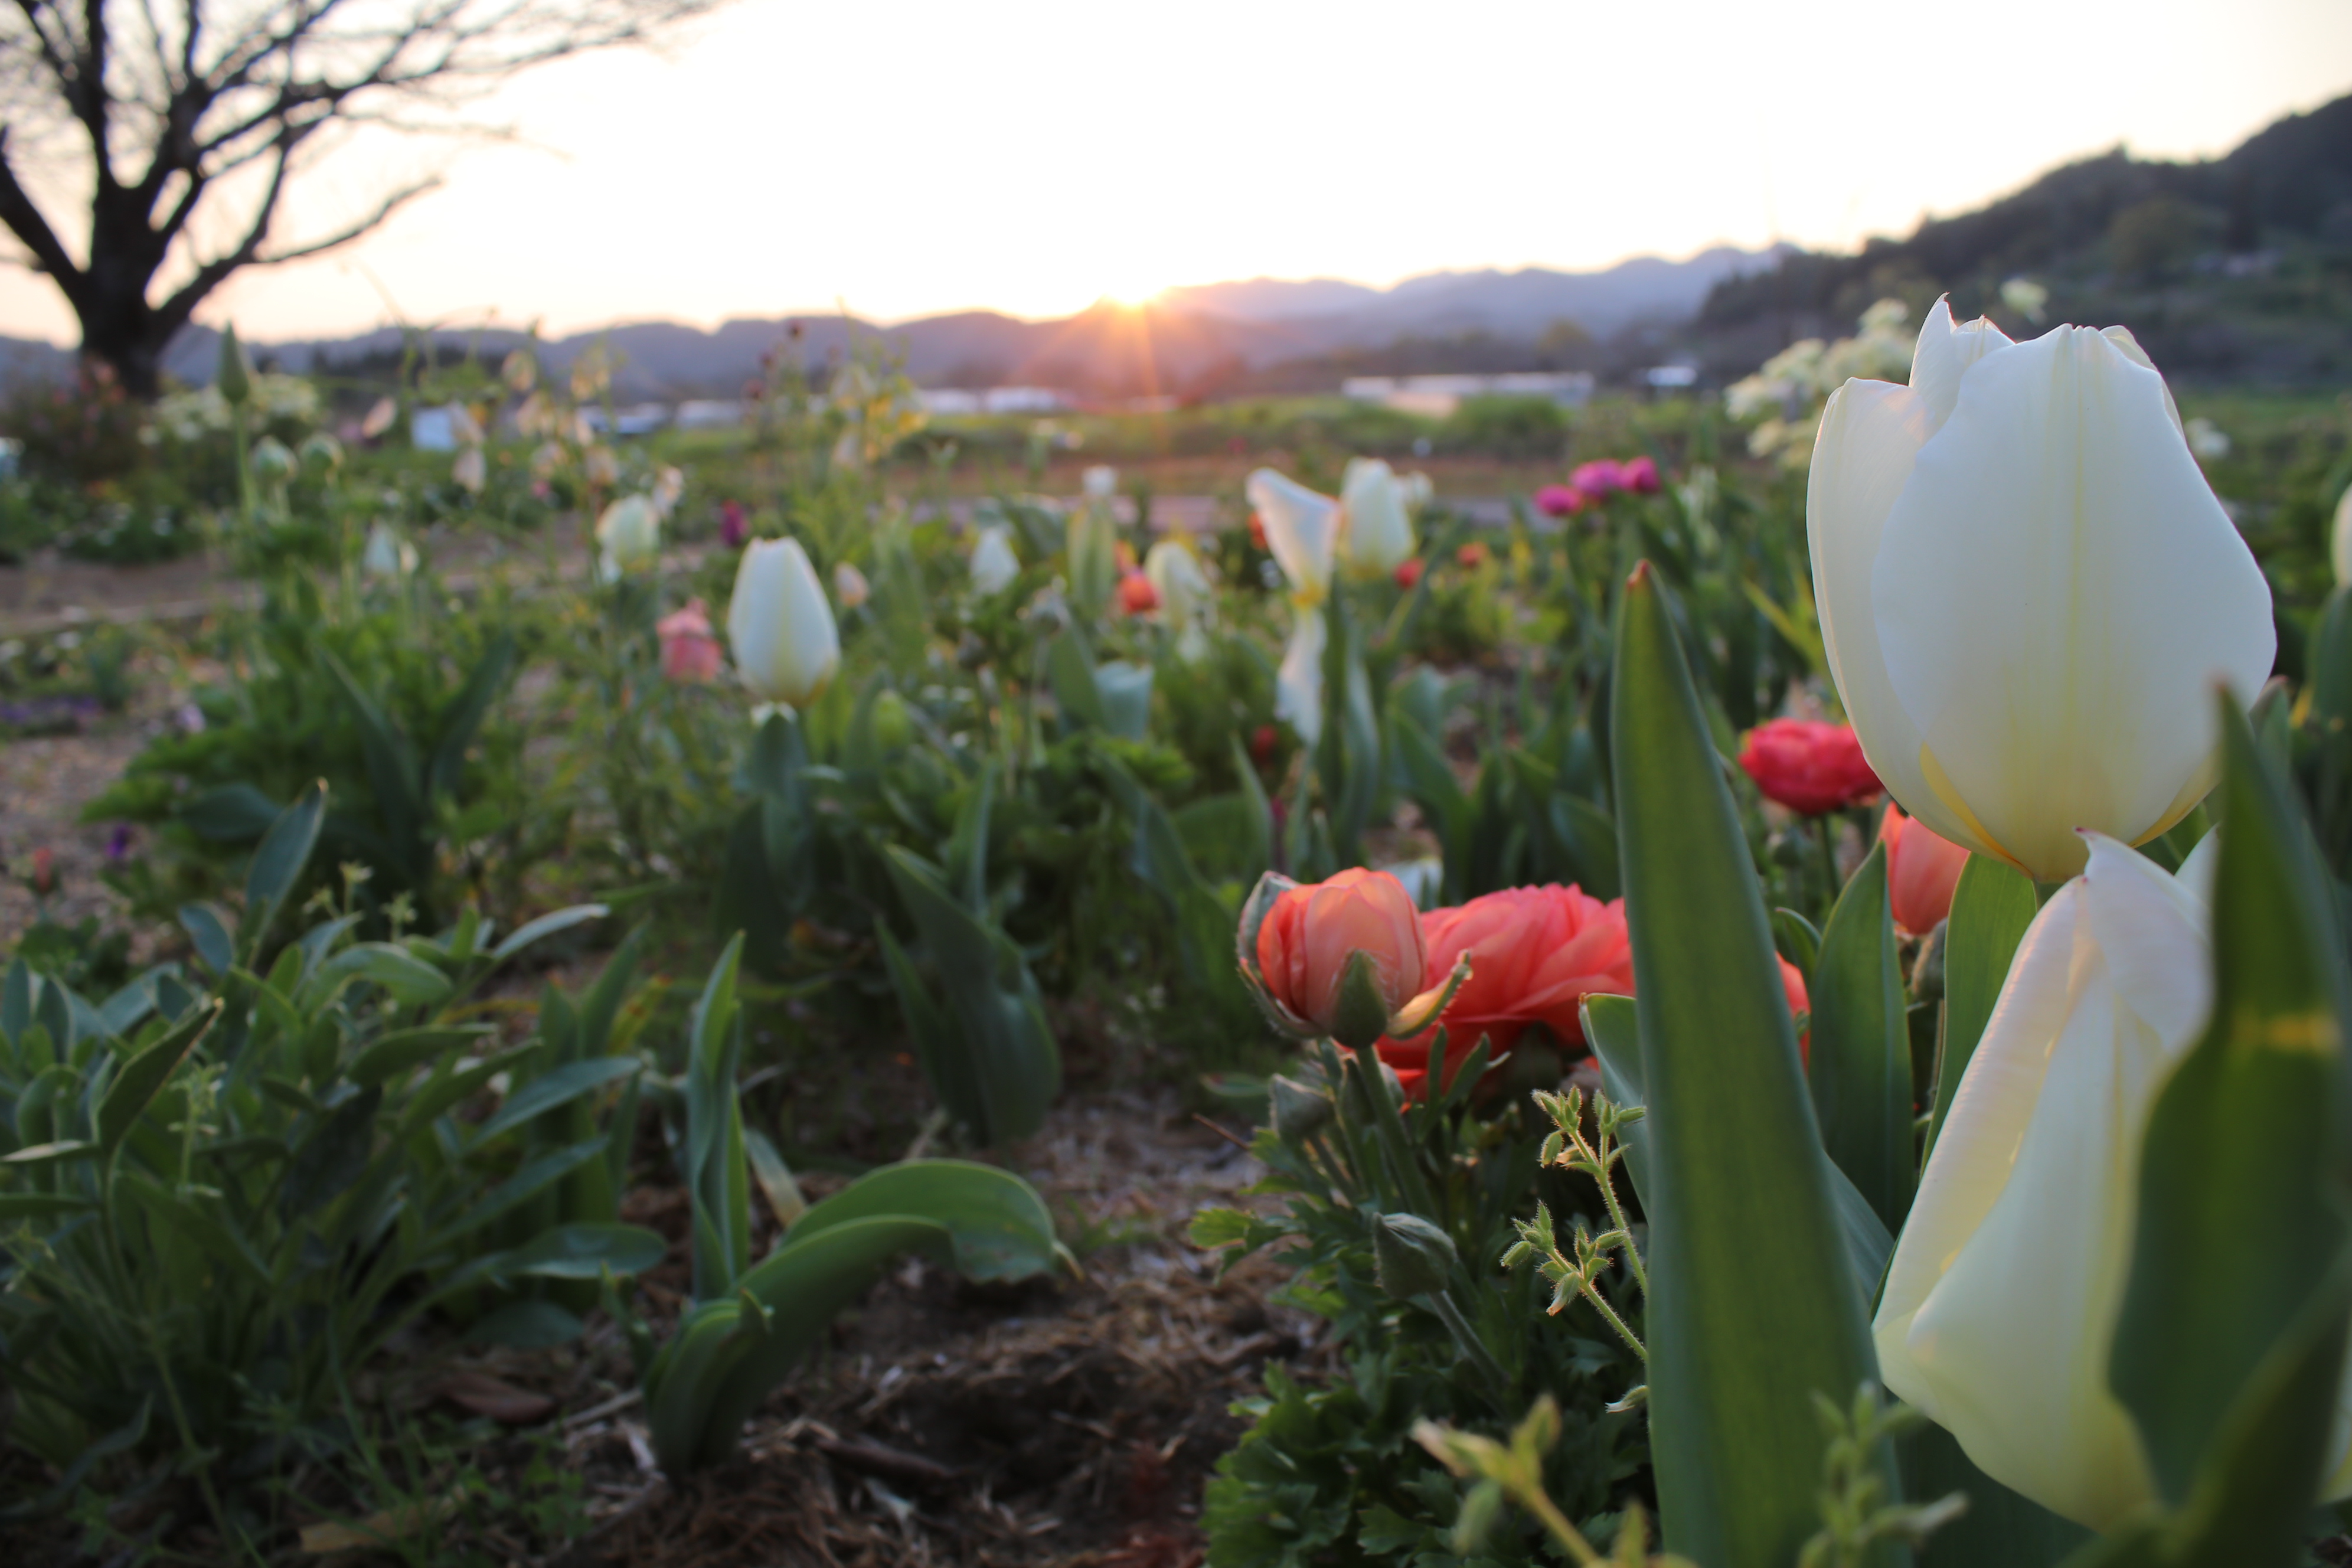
1391,1129
1473,1347
1830,884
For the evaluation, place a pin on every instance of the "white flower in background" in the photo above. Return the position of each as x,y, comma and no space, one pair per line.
601,467
546,460
1418,492
387,553
1187,601
669,485
849,585
1787,385
520,371
464,427
783,634
471,472
379,418
1376,526
627,535
1302,530
2206,440
993,563
2005,719
536,417
2027,298
1298,681
1102,482
2339,538
1999,1309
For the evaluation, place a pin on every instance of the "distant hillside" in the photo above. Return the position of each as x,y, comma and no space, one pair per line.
1193,342
2236,268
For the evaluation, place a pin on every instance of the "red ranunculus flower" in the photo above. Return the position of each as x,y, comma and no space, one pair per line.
1136,594
1811,768
1638,476
1559,500
1408,571
1307,937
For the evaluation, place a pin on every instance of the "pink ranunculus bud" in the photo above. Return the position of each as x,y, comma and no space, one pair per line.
689,653
1638,476
1599,478
1922,871
1560,501
1311,932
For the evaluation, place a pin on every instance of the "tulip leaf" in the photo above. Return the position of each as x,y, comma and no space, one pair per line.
1861,1068
2262,1101
717,1175
992,1008
1991,907
1754,1306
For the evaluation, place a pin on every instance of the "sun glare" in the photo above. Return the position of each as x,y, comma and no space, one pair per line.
1135,297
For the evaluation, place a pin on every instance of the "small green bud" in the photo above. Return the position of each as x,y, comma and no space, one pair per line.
271,461
1299,1111
235,376
323,451
1362,1015
1413,1257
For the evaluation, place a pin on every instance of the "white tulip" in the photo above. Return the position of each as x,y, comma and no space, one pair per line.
1301,528
1102,482
471,470
1379,529
628,534
2339,538
669,486
1419,491
2001,1300
782,631
2027,589
993,563
1298,682
1186,599
387,554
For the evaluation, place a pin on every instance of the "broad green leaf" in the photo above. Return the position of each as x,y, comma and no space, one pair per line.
533,1177
388,1056
2262,1101
1003,1229
210,934
138,1080
232,813
546,926
1070,674
1613,1025
50,1154
1861,1063
1794,936
277,864
557,1087
586,1251
993,1001
394,775
1260,851
716,1174
948,1067
407,977
776,1178
43,1206
463,716
1991,907
1754,1308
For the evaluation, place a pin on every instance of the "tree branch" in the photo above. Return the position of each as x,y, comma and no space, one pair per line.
26,221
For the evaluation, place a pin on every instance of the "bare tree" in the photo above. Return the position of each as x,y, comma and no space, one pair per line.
175,125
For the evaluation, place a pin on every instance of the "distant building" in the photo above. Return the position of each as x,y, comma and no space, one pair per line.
1670,377
708,413
993,400
433,429
1435,396
637,419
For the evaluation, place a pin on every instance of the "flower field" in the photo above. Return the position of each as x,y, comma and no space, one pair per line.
1754,981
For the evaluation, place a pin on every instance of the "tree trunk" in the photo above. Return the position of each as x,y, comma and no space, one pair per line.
121,331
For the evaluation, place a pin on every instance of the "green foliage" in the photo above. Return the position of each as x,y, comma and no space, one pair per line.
224,1194
1754,1309
750,1324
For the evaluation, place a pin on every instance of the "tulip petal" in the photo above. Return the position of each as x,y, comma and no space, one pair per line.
1945,353
1301,528
1298,683
1871,432
2001,1304
2055,590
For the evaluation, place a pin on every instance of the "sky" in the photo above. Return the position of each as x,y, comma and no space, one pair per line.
1033,156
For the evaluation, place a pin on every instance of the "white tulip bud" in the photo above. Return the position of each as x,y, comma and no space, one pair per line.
1379,530
785,642
628,534
993,563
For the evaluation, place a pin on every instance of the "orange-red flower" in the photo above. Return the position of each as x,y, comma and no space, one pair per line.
1811,768
1408,571
1535,954
1135,593
1922,870
1310,933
